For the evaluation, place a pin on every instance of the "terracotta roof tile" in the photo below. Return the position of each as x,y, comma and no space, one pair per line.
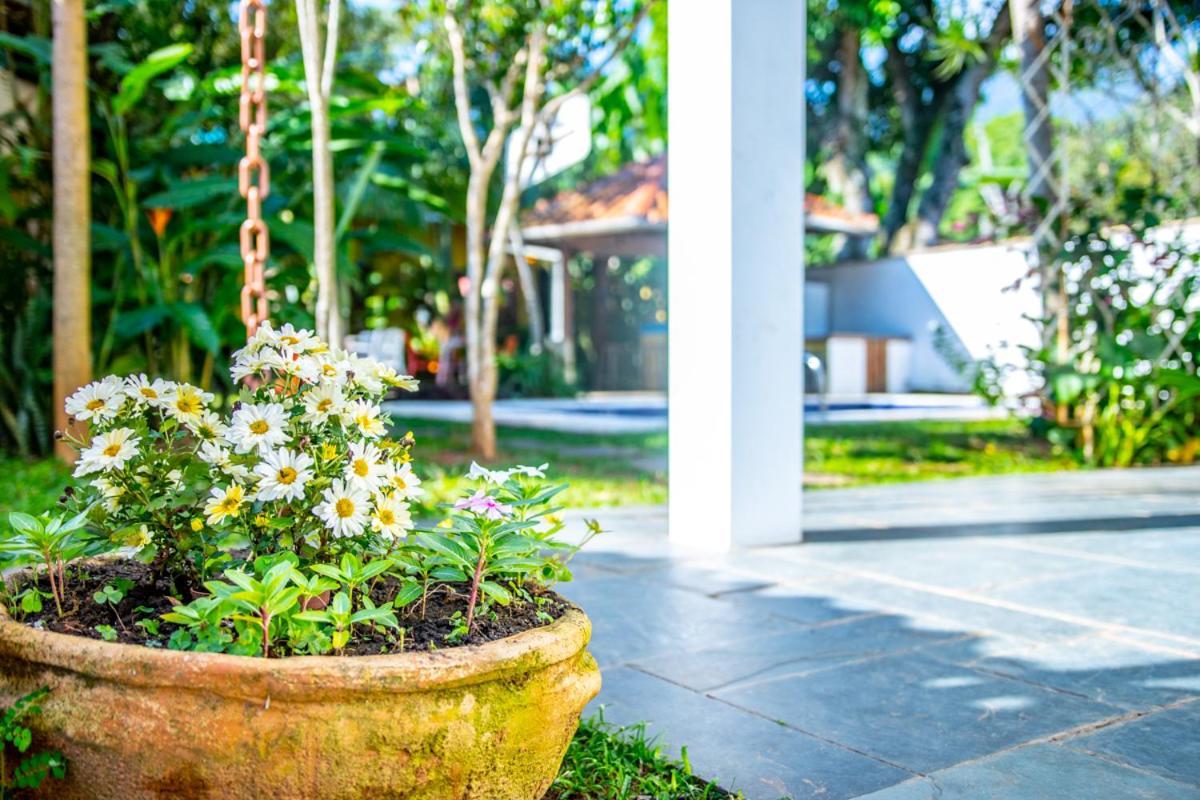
639,189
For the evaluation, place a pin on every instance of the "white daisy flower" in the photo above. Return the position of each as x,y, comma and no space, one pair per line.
108,451
283,475
209,427
297,341
99,400
332,368
216,455
401,481
224,503
258,426
496,476
305,368
530,472
247,362
365,417
364,470
391,517
364,373
388,375
111,492
344,510
186,403
322,403
143,391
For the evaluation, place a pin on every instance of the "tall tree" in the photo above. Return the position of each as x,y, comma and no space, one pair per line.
846,169
979,62
506,59
320,63
72,208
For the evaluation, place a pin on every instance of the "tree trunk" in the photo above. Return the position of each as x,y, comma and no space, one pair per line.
318,79
951,159
963,98
533,306
918,121
72,210
846,169
483,426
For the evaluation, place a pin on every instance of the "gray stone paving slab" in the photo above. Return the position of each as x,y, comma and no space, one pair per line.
804,604
1095,666
635,618
1156,600
742,750
934,609
975,563
1037,772
921,629
1175,549
792,652
915,711
1166,743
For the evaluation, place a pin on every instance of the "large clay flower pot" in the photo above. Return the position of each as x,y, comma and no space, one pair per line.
489,721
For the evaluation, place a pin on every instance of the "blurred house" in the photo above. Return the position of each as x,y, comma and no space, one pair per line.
618,223
920,322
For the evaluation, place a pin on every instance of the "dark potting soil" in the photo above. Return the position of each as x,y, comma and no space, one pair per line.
425,628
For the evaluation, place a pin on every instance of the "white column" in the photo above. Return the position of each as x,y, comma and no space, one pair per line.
736,253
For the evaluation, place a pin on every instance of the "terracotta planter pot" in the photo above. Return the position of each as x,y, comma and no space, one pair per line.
489,721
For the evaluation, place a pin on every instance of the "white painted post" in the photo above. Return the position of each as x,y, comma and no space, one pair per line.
736,251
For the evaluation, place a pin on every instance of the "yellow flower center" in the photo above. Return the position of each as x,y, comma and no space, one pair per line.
149,393
399,482
289,340
259,426
386,517
328,370
344,507
362,468
228,505
187,404
324,405
95,404
363,421
112,449
287,475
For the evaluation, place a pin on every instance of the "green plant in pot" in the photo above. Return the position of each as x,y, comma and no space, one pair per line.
276,623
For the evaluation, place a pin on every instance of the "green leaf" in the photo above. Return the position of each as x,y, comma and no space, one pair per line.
496,592
136,322
408,593
35,47
133,85
193,193
199,327
23,522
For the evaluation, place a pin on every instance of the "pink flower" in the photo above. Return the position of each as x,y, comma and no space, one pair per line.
484,505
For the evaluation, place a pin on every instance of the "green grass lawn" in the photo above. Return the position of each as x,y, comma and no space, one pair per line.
602,470
631,469
864,454
610,763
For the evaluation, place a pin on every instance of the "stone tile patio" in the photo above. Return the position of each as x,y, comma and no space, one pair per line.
1007,638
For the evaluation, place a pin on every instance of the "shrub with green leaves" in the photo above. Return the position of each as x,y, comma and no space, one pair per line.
1119,368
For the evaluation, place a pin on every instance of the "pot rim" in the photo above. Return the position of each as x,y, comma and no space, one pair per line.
296,678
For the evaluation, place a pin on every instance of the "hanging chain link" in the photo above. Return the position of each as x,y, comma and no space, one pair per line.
254,175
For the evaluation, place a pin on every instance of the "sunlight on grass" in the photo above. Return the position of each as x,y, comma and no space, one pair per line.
622,763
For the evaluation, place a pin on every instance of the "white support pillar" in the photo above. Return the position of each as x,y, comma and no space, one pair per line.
736,265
